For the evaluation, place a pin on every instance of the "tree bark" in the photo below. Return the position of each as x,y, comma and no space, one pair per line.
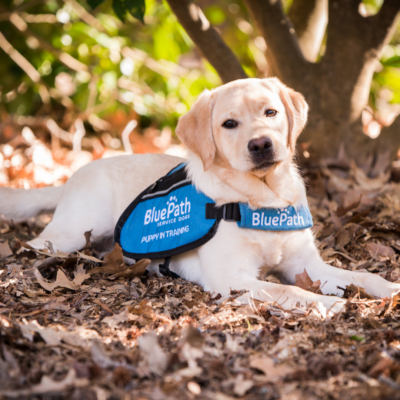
389,139
309,19
336,88
341,81
285,58
208,40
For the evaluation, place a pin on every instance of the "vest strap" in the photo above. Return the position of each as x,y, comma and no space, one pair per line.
228,212
164,269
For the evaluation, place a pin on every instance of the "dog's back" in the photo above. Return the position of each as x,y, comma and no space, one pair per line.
92,199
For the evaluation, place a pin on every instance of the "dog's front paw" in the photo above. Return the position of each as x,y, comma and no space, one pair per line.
330,305
392,288
384,288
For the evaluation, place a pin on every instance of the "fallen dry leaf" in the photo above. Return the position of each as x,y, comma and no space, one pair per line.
5,250
54,337
271,371
44,252
304,281
103,306
396,300
335,219
61,281
116,319
114,262
152,352
341,211
48,385
80,269
383,365
242,385
222,396
365,182
136,269
336,183
194,388
79,278
377,249
288,345
116,257
89,258
99,355
352,291
342,239
193,336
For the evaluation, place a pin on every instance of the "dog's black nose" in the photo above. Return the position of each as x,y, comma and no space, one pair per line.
260,146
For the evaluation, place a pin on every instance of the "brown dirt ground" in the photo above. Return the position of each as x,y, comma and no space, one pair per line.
69,332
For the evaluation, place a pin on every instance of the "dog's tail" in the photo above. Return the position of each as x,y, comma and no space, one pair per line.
20,204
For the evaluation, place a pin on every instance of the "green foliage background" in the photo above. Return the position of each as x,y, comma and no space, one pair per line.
159,80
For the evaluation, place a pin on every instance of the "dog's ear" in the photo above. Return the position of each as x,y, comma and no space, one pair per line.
296,110
195,129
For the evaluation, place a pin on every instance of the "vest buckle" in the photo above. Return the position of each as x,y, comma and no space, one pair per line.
228,212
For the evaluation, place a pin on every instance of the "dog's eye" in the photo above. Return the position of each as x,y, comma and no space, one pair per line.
230,124
270,113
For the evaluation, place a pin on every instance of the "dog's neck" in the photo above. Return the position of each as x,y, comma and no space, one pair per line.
280,188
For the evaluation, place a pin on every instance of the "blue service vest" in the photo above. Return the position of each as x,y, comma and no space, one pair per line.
171,217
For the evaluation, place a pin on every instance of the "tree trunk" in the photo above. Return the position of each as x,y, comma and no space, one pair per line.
208,40
309,19
337,87
336,98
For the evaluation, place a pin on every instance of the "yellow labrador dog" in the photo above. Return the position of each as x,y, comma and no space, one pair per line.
241,137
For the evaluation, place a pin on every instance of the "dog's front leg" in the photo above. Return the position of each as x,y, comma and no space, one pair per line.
301,254
226,265
288,297
334,280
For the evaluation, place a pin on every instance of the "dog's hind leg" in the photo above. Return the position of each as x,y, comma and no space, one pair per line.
66,231
62,241
70,236
86,205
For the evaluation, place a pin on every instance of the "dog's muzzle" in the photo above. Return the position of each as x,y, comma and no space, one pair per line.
262,152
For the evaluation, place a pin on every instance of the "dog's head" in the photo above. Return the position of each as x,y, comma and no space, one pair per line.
250,125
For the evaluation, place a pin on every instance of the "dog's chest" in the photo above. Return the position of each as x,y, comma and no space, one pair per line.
269,246
264,248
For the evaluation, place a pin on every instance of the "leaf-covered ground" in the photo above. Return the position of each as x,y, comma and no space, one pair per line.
72,327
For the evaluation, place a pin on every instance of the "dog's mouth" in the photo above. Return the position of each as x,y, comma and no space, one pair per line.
265,164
